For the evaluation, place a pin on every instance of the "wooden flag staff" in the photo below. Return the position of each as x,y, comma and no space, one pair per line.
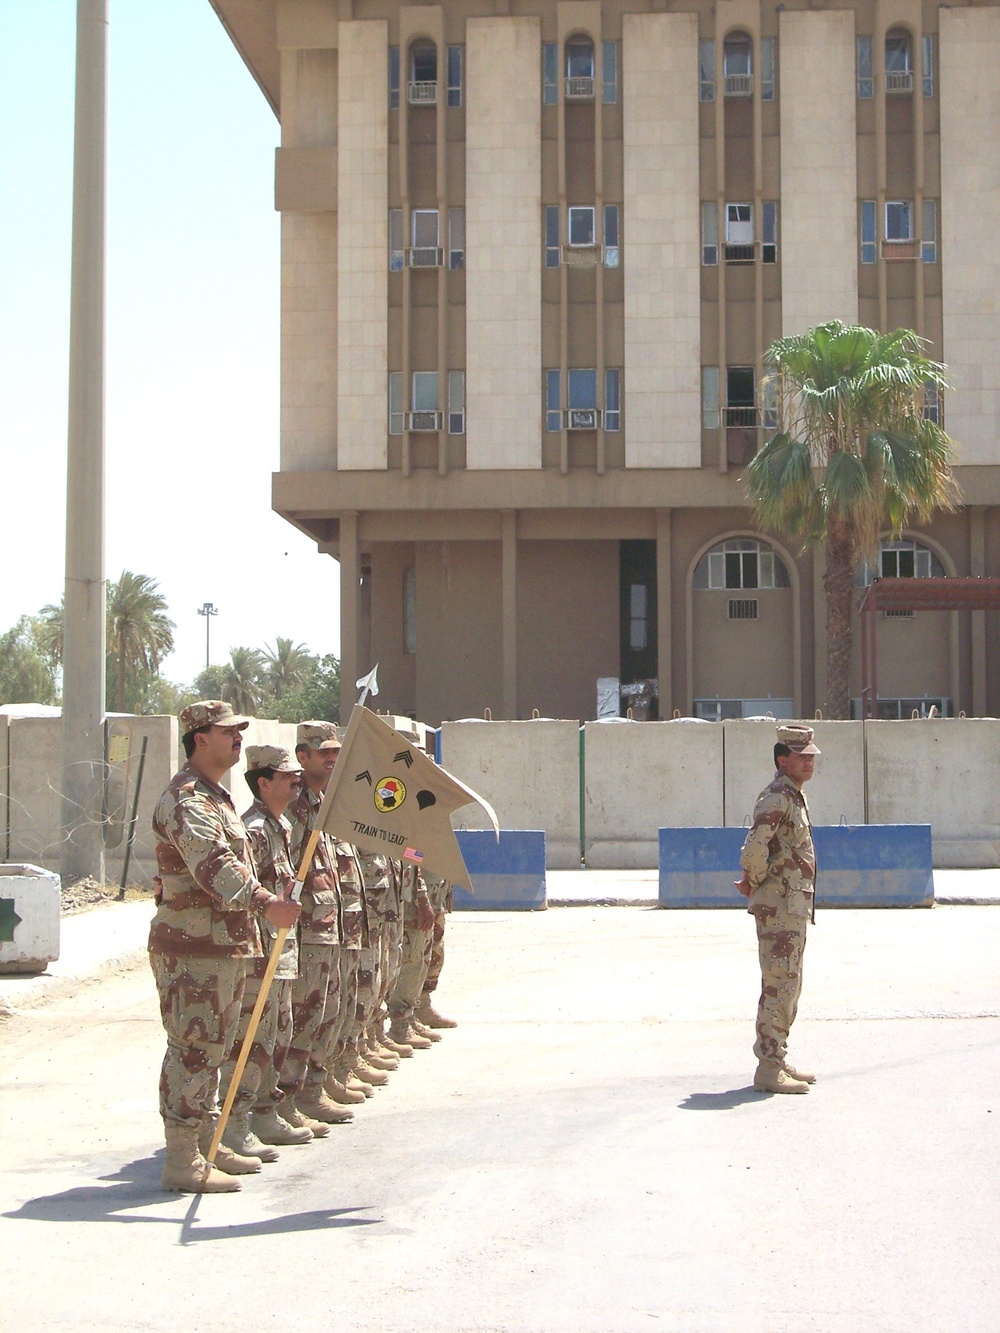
367,685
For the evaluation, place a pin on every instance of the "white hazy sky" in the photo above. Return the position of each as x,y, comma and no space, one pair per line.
192,327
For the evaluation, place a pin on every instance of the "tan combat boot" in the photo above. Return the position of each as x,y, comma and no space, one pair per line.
345,1074
772,1078
380,1058
423,1031
233,1163
798,1074
375,1078
400,1030
401,1048
429,1016
185,1171
269,1127
337,1090
294,1117
315,1104
240,1138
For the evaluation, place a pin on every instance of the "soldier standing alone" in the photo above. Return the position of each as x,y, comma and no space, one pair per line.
779,878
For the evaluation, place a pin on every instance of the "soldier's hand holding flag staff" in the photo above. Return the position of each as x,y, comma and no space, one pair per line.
386,796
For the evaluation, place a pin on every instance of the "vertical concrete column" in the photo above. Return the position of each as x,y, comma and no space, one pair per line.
977,568
350,573
664,605
509,612
83,616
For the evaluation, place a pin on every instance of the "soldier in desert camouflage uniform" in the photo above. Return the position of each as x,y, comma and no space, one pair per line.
779,878
316,995
380,911
203,933
273,778
415,955
426,1015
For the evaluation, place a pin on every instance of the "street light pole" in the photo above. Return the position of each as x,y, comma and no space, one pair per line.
83,620
208,610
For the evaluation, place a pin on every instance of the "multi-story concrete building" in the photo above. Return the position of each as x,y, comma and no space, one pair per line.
533,253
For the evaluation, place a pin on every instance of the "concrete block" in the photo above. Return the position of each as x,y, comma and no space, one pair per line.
858,866
945,773
508,875
638,774
30,909
261,731
530,774
35,790
837,790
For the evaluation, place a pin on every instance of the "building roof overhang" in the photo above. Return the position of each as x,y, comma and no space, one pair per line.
252,26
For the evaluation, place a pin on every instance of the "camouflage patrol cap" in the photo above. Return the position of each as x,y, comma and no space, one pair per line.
318,736
270,756
210,713
798,738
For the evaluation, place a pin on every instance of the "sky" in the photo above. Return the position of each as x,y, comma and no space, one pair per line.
192,370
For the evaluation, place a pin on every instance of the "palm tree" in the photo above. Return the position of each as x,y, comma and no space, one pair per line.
242,683
288,666
49,633
853,455
140,634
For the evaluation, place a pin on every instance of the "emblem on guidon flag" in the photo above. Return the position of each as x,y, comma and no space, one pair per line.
389,795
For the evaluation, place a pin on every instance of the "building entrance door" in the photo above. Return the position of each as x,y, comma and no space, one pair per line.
637,615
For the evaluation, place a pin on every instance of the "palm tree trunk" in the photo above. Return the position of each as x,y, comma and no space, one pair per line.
121,681
838,583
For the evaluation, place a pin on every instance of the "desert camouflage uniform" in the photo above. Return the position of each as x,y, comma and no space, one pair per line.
204,931
269,844
355,939
779,862
380,908
441,900
316,993
415,948
392,936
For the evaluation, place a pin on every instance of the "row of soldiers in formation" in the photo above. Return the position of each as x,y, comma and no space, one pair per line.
364,950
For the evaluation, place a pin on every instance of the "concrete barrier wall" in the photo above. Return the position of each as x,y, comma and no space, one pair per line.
530,774
859,866
836,793
4,787
945,773
641,775
261,731
508,875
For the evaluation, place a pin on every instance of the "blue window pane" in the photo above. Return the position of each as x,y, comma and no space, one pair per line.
393,78
583,388
609,72
552,400
550,73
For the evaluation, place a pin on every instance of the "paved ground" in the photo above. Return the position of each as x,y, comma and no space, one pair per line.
582,1155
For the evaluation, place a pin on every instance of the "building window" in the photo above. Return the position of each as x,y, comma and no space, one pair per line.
739,234
550,73
582,406
612,236
706,71
899,220
580,69
425,237
612,400
456,402
580,226
393,78
395,402
609,72
869,239
741,396
552,236
768,47
898,65
743,608
928,240
710,397
454,76
769,402
932,403
903,559
456,238
553,410
638,617
769,231
425,414
740,562
423,74
710,233
409,610
737,68
866,78
927,63
396,255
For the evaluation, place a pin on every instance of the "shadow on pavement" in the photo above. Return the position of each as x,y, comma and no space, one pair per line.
719,1101
137,1185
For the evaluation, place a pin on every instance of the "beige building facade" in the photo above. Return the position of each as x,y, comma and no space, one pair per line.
532,257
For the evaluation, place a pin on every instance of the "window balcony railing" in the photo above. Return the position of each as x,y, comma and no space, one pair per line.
899,80
581,256
424,256
426,421
738,85
897,251
740,416
744,253
580,88
582,418
423,94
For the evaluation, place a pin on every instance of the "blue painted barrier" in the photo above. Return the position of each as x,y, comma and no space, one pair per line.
860,865
508,875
